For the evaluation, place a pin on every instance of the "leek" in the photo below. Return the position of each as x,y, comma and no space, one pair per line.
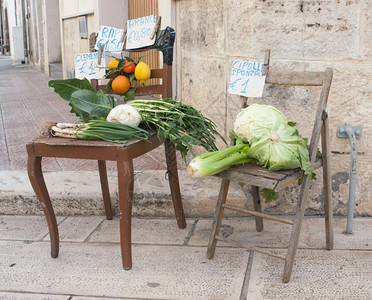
211,163
100,130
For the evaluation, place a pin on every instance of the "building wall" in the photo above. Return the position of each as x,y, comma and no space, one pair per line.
112,13
302,35
12,20
52,30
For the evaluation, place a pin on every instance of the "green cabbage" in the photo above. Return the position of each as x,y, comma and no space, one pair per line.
273,143
257,121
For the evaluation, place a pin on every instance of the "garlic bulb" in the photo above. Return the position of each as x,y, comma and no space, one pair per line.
125,114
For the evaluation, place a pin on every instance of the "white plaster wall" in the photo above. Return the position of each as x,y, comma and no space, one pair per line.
302,35
17,45
53,36
70,8
113,13
15,39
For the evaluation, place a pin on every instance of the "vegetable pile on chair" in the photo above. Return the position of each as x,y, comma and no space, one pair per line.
103,119
262,136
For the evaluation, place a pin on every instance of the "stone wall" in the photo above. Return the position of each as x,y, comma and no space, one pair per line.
303,36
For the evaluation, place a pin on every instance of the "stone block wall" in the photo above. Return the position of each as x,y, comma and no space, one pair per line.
302,36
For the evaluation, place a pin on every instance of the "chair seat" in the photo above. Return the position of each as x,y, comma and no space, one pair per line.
255,175
92,149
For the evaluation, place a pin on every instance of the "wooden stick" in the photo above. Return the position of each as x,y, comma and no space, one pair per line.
257,214
241,245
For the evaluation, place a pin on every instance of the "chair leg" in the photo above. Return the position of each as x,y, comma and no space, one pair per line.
218,217
257,207
126,185
35,175
296,229
171,159
105,188
328,210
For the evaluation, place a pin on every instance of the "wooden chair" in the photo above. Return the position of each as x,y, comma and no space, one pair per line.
101,151
258,177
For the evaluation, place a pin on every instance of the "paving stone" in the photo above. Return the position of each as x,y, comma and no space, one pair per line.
317,274
27,228
159,272
77,229
313,234
276,235
243,230
23,296
166,231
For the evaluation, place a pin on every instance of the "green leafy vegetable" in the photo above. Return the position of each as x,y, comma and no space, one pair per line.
274,144
180,123
269,195
85,102
65,87
95,105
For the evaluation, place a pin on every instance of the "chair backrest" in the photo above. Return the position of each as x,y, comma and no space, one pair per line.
308,79
161,87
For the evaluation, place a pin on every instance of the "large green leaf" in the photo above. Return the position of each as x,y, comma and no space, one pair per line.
65,87
104,99
96,105
83,116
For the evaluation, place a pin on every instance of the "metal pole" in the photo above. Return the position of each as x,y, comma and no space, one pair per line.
351,132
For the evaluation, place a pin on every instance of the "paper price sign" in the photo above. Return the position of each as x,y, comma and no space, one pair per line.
111,38
86,66
246,79
139,32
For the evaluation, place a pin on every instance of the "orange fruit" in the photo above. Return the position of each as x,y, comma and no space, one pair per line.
120,84
129,67
113,64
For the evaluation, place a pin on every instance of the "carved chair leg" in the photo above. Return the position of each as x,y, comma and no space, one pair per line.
126,185
170,155
105,188
218,217
35,175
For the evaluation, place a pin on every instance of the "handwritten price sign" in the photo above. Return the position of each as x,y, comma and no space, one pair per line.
246,79
86,66
139,32
111,38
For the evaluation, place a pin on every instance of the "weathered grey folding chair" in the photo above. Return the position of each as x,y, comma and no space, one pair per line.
258,177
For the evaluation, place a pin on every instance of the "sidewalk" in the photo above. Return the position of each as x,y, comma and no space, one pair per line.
168,263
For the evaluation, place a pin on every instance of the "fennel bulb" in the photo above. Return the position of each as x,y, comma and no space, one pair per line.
125,114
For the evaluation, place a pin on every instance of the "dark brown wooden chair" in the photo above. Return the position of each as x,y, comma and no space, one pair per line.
257,177
101,151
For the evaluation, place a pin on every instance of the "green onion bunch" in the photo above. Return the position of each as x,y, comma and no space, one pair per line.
100,130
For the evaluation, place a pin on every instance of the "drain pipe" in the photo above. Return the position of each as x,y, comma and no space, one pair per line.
352,133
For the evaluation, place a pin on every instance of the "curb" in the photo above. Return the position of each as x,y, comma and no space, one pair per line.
79,193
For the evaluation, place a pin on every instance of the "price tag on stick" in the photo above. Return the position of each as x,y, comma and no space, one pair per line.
111,38
246,79
87,66
139,32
